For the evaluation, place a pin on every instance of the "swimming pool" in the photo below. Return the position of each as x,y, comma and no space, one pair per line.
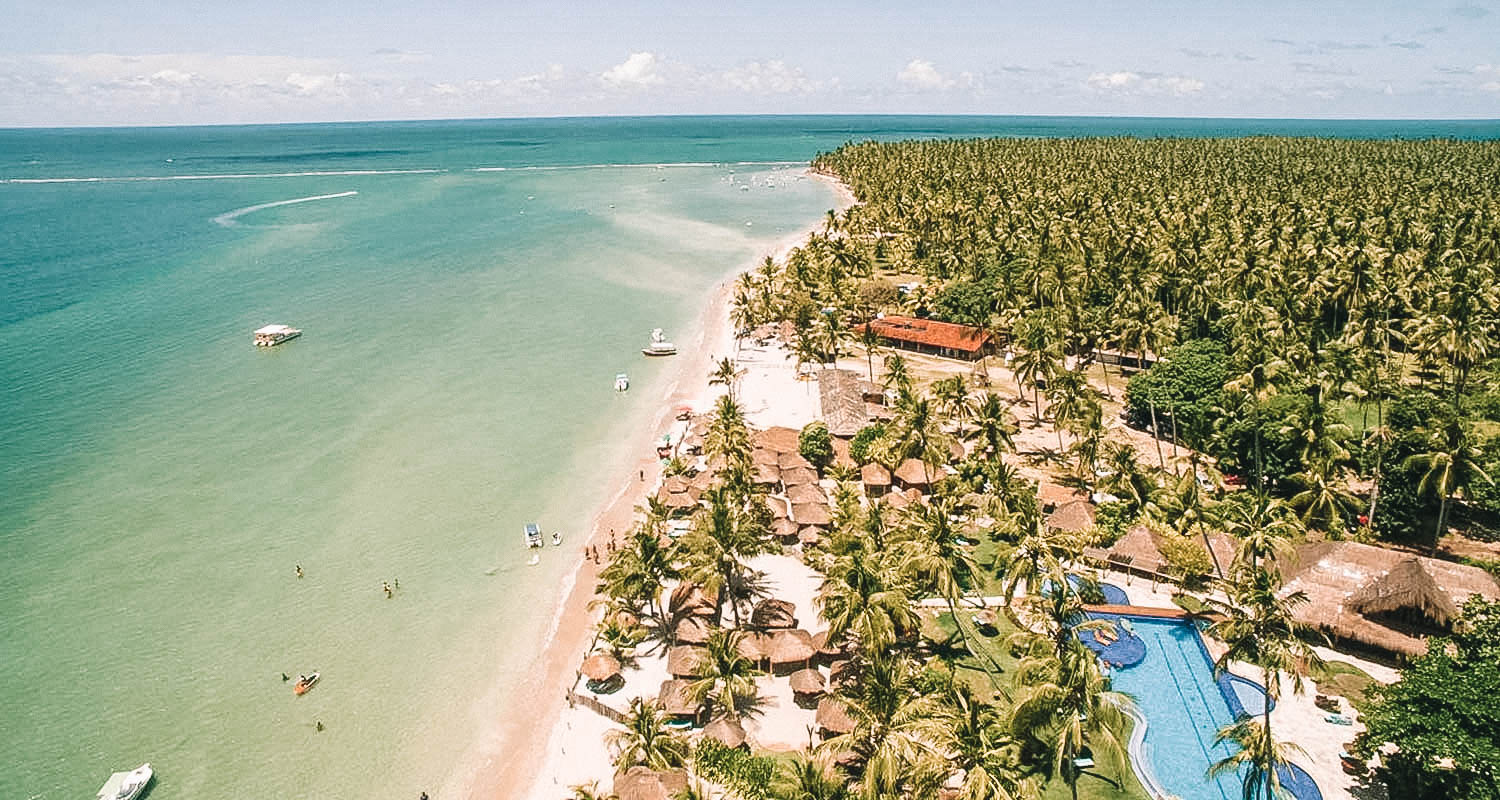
1184,707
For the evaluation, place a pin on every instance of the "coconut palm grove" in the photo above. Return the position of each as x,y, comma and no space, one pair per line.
1239,348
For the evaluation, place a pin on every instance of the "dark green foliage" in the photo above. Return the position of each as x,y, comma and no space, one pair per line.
859,446
816,445
1113,519
1446,706
1187,386
747,776
1280,449
964,302
1405,515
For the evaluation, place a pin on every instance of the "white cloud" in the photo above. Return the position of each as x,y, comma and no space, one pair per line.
770,77
921,75
638,71
398,56
1126,82
1492,86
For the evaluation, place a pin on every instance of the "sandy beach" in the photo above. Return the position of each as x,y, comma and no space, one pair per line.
544,747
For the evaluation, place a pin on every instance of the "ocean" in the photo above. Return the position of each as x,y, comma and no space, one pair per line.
468,289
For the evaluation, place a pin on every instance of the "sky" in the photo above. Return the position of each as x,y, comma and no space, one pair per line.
156,62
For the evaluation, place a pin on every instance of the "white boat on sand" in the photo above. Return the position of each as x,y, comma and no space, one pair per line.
126,785
659,345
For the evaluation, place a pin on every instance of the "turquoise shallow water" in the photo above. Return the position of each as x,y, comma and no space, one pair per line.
160,477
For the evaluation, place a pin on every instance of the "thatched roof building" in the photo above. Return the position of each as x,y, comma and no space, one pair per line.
766,475
1051,495
788,461
785,530
797,476
778,439
913,474
876,478
809,536
812,514
689,597
774,613
806,493
644,783
683,661
807,682
1073,516
754,646
1386,599
833,718
675,699
842,401
728,731
841,454
600,667
790,647
692,630
761,455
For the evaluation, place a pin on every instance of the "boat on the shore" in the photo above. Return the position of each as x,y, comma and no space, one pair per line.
127,785
659,345
533,534
272,335
304,683
556,539
622,382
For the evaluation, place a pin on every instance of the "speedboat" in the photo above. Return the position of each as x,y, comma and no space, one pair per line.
659,345
304,683
127,785
622,382
533,534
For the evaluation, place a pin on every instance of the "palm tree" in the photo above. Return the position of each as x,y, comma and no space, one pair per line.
941,562
646,740
810,778
896,375
637,571
728,435
1262,524
1037,557
1323,498
1258,760
723,536
952,396
591,791
896,728
914,433
1451,467
994,426
726,373
1066,703
723,678
982,749
858,597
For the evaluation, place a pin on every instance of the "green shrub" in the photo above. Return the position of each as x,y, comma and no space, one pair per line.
746,776
816,445
859,446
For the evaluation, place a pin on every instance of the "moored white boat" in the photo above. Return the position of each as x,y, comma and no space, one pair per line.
622,382
127,785
533,534
272,335
659,345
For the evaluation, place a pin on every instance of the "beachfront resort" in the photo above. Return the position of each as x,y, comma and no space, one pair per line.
1097,468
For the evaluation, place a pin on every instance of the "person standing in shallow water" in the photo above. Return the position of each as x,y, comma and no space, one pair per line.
386,586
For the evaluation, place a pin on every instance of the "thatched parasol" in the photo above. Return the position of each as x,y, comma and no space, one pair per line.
644,783
773,613
784,529
807,681
833,717
912,472
797,476
875,475
820,643
600,667
809,536
806,493
683,661
811,514
897,500
790,647
840,671
779,439
692,630
728,731
752,645
675,699
1407,587
1073,516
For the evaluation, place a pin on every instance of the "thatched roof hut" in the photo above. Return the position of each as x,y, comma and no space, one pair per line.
875,476
812,514
675,699
777,438
692,630
797,476
761,455
674,484
788,461
806,493
821,644
807,682
842,401
774,613
912,473
1406,588
897,500
780,509
676,501
832,717
753,646
728,731
766,475
839,672
785,530
809,536
1073,516
1387,599
689,597
626,619
1137,550
644,783
790,647
600,667
683,661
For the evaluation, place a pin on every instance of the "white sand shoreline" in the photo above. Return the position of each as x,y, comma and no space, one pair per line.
527,757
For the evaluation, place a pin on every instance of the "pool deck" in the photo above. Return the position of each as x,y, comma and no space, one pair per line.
1295,718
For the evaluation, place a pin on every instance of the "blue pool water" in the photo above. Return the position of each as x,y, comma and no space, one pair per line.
1184,706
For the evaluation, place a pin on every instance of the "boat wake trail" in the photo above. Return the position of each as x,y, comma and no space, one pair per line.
228,219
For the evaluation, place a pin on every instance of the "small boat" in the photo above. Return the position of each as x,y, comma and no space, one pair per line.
272,335
556,539
659,345
533,534
622,382
127,785
304,683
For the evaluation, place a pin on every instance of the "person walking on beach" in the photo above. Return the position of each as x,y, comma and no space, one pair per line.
299,570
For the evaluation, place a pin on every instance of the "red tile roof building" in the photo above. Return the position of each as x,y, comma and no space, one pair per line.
931,336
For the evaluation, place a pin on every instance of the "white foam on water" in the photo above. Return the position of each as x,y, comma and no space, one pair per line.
233,176
664,165
228,219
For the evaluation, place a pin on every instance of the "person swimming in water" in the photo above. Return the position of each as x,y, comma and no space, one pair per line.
299,570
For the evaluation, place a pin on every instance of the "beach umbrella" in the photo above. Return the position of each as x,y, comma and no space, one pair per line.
692,630
675,698
811,514
600,667
683,661
644,783
833,717
773,613
728,731
790,647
